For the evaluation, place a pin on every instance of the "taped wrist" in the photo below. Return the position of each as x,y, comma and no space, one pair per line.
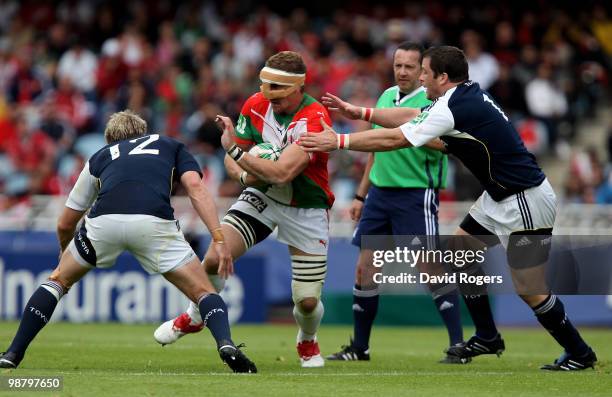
243,176
343,141
217,235
367,113
235,152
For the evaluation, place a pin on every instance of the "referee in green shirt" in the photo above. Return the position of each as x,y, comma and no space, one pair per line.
402,199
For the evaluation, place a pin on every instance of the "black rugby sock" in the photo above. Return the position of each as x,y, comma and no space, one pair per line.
449,309
365,307
214,314
36,315
480,311
551,314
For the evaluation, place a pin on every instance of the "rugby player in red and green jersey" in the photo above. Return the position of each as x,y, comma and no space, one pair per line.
291,194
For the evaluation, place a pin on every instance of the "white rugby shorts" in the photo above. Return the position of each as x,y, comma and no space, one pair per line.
306,229
158,244
534,208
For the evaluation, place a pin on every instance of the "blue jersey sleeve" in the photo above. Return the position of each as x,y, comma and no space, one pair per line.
186,162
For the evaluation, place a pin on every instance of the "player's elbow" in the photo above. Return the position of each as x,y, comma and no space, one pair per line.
292,162
281,178
62,227
285,172
192,183
65,226
68,221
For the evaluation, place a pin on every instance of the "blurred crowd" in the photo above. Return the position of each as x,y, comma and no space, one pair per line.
66,66
589,180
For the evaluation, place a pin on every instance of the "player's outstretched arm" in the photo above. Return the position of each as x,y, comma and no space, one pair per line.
379,140
388,118
204,205
337,105
392,117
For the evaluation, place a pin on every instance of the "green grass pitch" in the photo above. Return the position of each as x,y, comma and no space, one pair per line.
124,360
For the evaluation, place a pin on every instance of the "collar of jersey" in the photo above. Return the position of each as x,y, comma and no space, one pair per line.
285,120
414,92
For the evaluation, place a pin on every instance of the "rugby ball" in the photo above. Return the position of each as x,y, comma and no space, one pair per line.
266,151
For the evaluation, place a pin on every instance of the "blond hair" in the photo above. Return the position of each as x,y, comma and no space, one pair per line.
124,125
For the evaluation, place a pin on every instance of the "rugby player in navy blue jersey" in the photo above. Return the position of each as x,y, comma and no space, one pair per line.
517,208
126,187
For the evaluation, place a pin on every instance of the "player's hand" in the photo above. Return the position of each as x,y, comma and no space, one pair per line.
226,264
337,105
356,209
226,125
324,141
437,144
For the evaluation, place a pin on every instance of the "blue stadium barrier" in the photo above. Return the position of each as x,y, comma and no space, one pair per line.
263,277
124,293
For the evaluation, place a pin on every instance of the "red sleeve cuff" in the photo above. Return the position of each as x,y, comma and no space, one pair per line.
241,141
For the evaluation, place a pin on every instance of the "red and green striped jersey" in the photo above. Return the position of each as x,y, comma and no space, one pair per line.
257,124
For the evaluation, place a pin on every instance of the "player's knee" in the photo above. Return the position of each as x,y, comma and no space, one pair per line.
198,293
211,262
308,305
65,284
533,300
308,274
358,275
365,274
364,267
306,295
530,281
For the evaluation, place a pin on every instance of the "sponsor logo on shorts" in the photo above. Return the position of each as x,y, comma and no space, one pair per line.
84,246
546,241
523,242
254,200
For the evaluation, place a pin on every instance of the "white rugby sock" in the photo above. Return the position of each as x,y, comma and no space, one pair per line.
217,281
308,323
194,313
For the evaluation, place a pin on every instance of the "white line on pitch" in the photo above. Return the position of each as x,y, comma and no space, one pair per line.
298,374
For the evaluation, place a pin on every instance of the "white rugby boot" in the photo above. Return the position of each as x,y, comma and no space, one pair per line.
172,330
310,354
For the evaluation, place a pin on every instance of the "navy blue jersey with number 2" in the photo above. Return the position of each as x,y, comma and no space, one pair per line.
132,177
